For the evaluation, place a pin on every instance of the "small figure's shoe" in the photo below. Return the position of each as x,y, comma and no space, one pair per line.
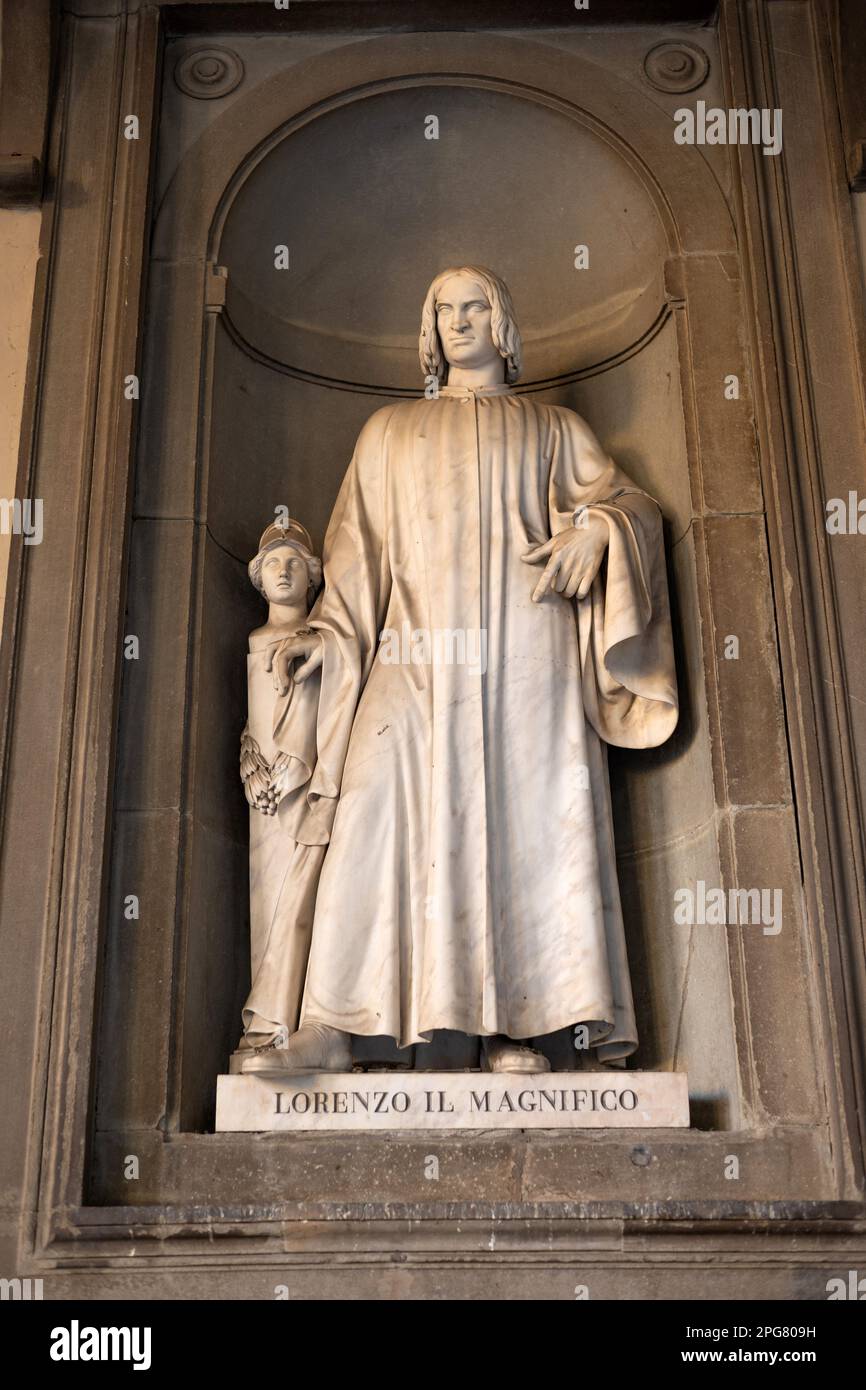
315,1047
501,1054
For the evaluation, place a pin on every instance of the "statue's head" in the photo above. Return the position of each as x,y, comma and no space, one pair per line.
285,570
468,320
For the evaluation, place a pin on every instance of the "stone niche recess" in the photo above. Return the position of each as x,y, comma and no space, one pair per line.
256,382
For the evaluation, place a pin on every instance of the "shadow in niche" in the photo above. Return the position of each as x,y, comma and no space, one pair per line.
217,964
710,1113
625,765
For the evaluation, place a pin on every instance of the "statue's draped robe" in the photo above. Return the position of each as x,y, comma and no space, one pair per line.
286,849
470,880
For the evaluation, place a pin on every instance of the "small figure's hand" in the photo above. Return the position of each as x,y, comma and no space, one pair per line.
307,644
573,558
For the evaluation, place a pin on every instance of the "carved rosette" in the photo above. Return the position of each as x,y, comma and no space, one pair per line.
676,67
209,72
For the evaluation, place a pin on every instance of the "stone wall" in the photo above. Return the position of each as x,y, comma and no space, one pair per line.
742,264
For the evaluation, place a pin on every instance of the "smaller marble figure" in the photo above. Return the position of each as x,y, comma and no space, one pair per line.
278,753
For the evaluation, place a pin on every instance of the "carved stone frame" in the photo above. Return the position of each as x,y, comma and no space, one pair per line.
62,642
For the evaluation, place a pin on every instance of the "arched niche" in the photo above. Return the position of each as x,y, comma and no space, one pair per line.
290,368
688,198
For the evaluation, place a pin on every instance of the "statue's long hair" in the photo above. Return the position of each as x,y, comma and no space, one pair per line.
503,324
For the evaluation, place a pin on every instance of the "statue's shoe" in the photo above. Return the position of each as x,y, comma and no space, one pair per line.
315,1047
501,1054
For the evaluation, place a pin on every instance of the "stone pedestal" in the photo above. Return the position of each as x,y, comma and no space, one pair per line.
453,1100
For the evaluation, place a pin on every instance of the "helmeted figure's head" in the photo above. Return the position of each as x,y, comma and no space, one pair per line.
285,570
467,318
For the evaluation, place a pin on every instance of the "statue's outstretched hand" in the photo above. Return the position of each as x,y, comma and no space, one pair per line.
306,643
573,558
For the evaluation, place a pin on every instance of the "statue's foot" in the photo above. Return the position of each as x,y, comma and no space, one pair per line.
501,1054
257,1042
315,1047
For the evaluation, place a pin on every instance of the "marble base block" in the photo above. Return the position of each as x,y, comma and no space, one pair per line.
453,1100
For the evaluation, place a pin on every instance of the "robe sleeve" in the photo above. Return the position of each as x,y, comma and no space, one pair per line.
624,630
350,611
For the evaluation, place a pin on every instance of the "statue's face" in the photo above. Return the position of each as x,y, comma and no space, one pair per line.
284,575
463,320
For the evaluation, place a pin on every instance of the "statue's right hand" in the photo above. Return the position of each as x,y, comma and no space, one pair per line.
281,656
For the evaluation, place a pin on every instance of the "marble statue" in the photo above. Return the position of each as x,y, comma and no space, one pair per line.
494,612
278,751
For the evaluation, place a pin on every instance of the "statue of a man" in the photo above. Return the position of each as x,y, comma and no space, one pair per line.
470,879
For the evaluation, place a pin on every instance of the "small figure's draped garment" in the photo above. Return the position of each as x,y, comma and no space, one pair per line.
286,849
470,880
